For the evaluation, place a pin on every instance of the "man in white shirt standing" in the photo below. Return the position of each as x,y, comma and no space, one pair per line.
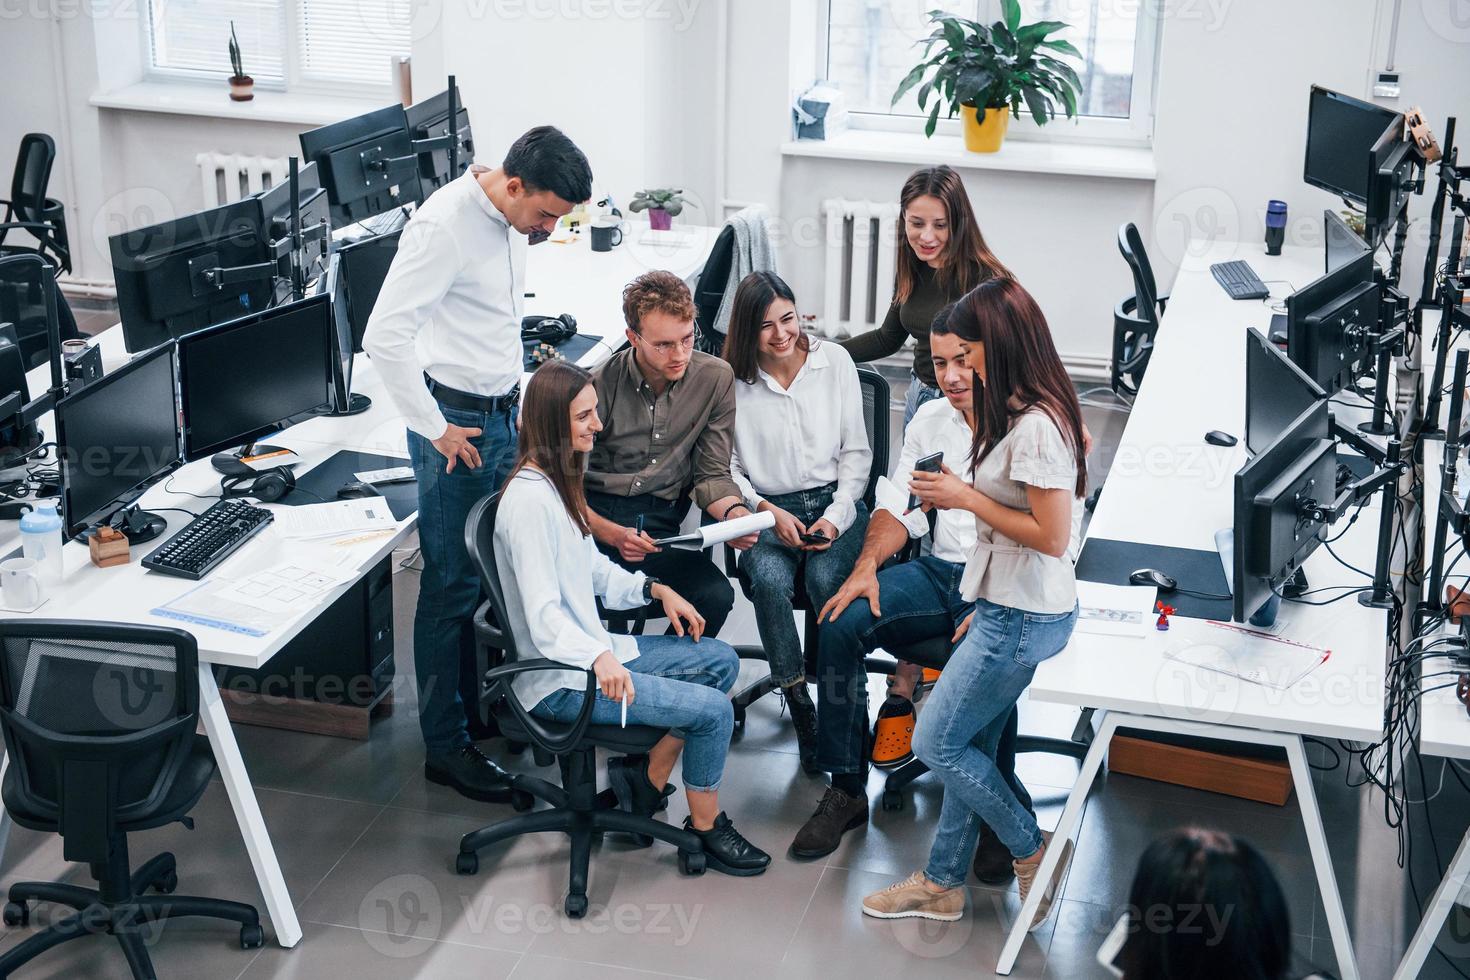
445,334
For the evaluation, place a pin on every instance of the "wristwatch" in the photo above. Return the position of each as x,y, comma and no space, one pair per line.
648,583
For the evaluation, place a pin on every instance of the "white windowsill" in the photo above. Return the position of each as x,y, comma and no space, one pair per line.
1025,156
188,99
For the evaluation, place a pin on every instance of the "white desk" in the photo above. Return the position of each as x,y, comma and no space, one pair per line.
1168,487
567,278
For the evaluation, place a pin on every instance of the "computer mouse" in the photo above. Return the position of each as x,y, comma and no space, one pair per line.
1217,438
357,490
1154,577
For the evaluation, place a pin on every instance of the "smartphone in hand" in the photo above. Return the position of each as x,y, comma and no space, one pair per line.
537,236
815,537
929,464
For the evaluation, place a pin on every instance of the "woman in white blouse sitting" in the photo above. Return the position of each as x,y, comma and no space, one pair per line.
801,452
552,572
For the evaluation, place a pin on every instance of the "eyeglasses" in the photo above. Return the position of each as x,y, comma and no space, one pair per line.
664,348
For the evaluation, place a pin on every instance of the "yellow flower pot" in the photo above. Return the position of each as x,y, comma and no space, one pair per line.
984,136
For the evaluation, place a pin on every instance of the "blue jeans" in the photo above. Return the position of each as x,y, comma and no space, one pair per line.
449,586
771,567
919,393
959,730
682,686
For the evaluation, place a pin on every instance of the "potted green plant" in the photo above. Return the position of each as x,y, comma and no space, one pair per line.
986,74
242,86
661,203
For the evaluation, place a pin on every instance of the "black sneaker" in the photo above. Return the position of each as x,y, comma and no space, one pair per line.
470,774
804,719
992,864
728,852
628,777
836,815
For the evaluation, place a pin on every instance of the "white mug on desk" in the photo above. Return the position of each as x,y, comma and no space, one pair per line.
20,584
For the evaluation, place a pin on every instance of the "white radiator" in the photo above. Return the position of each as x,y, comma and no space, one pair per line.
228,177
860,253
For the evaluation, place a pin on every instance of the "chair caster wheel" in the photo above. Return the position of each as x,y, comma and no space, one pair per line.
892,800
521,801
466,864
691,862
251,937
576,906
17,913
167,883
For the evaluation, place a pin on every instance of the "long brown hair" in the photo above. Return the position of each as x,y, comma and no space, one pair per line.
1021,366
967,260
546,435
753,298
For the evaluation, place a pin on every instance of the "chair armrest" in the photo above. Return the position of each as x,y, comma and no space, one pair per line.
554,738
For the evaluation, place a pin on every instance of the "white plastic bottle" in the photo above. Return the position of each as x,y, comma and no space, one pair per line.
41,540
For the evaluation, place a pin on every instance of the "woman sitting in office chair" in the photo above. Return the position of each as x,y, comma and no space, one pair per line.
551,572
801,452
1029,475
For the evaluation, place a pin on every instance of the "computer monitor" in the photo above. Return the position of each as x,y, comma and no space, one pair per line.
429,120
1277,392
334,286
116,436
1330,324
1390,173
367,164
1342,243
239,380
365,265
1272,535
1341,134
316,226
18,437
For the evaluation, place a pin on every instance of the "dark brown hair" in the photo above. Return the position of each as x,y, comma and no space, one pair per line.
1021,366
753,298
657,290
966,260
546,434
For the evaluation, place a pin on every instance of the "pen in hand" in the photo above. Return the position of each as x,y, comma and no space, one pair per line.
623,722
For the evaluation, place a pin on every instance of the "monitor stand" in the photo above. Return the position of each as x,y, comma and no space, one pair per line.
356,405
138,526
234,463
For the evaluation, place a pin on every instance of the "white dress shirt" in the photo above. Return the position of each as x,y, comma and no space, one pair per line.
551,575
937,427
808,435
451,304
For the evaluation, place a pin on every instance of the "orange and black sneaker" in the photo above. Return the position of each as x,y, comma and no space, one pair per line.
893,735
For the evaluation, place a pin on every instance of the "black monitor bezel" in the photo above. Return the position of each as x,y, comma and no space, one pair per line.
1319,91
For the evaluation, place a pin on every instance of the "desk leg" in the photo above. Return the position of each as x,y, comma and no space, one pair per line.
1301,774
1066,832
247,810
1439,909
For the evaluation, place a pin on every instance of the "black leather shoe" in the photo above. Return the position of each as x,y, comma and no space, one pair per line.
728,852
993,859
804,719
470,774
836,815
628,777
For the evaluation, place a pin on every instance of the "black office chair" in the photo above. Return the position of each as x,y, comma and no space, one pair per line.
876,411
30,210
99,722
576,809
1136,318
709,292
30,298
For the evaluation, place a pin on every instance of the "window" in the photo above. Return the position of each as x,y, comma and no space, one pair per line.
869,45
285,44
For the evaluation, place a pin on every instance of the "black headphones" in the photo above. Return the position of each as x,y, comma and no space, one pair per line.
548,329
267,486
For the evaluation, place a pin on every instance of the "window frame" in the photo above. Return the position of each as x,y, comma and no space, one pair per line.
1136,130
294,79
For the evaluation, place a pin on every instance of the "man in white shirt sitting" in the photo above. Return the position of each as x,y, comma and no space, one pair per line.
445,334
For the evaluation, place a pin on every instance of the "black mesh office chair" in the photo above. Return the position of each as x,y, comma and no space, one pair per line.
1136,318
29,299
576,809
99,722
30,210
876,411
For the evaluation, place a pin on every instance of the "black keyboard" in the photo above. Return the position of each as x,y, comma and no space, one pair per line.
1239,280
208,539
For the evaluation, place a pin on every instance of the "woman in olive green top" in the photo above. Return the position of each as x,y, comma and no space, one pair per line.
941,256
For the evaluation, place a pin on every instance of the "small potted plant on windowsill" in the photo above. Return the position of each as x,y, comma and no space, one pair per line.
661,203
985,74
242,86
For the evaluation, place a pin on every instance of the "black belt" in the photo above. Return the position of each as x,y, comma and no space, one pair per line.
469,402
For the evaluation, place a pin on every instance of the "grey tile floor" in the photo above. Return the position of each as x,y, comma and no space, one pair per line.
367,847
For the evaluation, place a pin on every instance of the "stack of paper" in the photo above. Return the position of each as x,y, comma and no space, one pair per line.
334,519
1115,610
259,603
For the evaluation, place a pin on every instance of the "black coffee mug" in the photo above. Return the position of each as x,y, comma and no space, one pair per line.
605,237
